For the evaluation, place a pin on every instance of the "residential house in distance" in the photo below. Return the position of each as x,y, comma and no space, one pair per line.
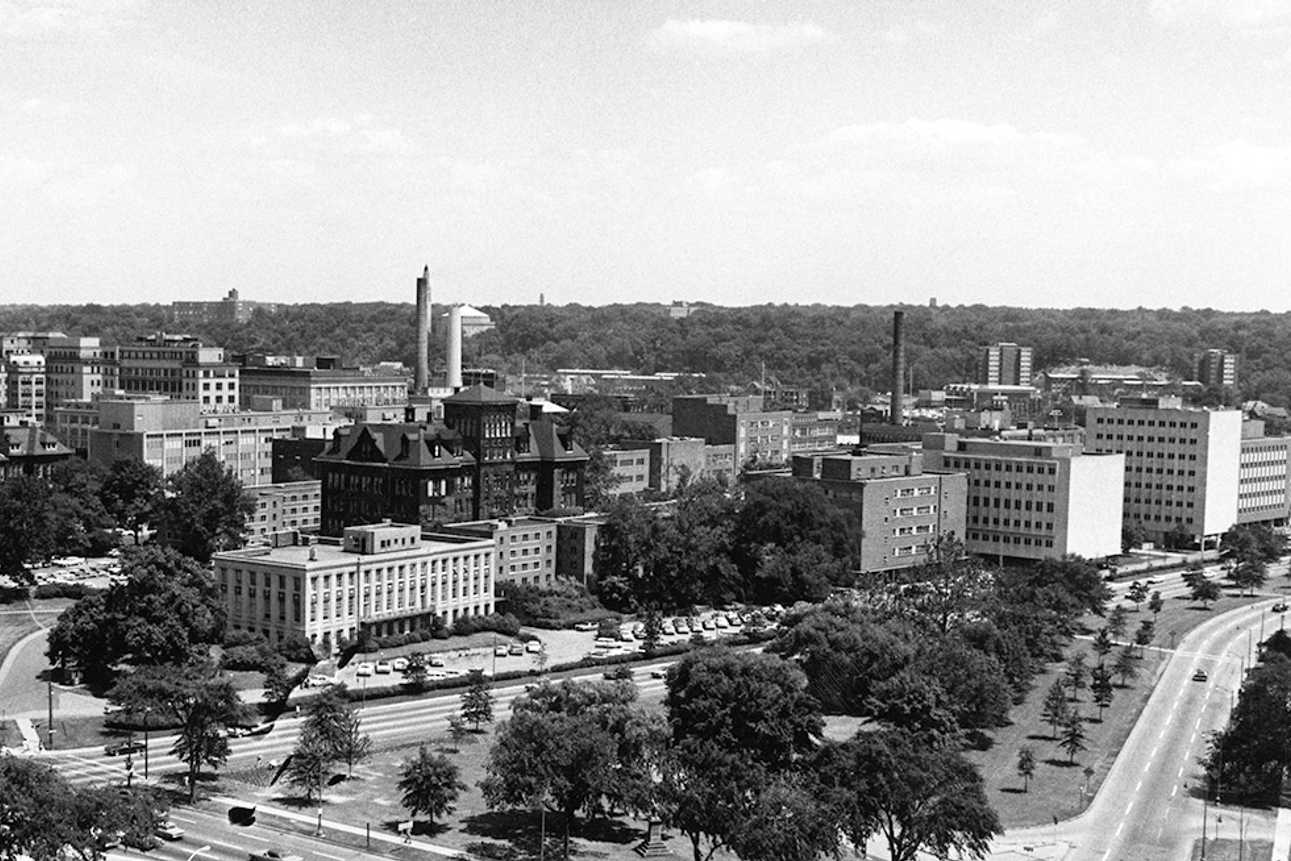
1034,499
378,579
900,509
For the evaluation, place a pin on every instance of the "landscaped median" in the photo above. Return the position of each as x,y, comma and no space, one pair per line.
1061,785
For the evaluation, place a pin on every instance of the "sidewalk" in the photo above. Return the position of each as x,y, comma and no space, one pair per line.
1282,835
311,819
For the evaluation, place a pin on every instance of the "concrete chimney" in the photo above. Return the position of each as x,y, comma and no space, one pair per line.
898,365
455,347
423,332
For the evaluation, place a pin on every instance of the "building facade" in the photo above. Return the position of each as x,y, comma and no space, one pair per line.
74,371
526,547
316,384
759,436
25,385
1034,499
1217,368
1005,364
177,366
170,434
230,309
631,467
1181,464
295,505
899,510
1262,483
379,579
29,450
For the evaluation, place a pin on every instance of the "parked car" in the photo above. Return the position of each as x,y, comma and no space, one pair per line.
1199,676
1279,607
533,647
665,627
363,669
681,626
273,855
437,660
659,673
708,624
626,635
584,626
399,664
720,621
122,747
317,680
383,666
516,649
500,651
168,830
638,629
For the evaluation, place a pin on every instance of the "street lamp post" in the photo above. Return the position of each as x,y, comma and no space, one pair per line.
147,711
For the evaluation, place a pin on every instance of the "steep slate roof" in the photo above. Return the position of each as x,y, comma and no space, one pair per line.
385,443
31,442
545,441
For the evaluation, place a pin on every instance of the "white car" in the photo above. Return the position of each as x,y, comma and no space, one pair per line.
533,647
317,681
364,669
584,626
436,660
399,664
383,666
500,651
168,830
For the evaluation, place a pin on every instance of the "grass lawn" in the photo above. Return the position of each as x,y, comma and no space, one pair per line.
372,797
17,622
1055,789
1230,850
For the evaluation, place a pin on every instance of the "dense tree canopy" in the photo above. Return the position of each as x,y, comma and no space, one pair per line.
845,348
205,510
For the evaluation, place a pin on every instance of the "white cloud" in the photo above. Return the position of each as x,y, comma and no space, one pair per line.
943,144
358,135
25,19
1253,14
711,35
1237,165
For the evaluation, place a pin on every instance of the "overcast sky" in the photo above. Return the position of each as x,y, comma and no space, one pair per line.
1115,153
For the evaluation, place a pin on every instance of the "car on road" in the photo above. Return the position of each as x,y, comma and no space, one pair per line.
273,855
117,748
1199,676
1279,607
533,647
363,669
168,830
383,667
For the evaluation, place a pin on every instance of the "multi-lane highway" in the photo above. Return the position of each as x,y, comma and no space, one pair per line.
388,724
1150,808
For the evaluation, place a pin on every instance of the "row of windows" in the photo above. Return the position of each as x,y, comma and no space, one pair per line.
996,538
1120,437
916,510
1037,525
1152,423
920,529
1020,504
1002,466
1015,485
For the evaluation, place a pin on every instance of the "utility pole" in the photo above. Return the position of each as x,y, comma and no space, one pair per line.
49,693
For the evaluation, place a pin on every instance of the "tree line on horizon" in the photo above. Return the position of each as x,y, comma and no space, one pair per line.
845,348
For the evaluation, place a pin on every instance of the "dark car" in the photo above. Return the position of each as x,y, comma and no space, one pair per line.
118,748
1279,607
1199,676
273,855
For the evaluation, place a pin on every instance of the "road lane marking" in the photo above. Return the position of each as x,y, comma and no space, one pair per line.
325,855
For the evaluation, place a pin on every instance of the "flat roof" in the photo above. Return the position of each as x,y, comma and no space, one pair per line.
328,554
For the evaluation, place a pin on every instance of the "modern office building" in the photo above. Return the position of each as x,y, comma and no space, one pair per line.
74,371
812,430
526,547
317,383
176,366
379,579
294,505
1034,499
230,309
631,467
1262,482
1217,368
759,436
25,385
1005,364
171,433
1181,464
900,510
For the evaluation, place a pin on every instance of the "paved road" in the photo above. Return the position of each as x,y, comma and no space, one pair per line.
1148,808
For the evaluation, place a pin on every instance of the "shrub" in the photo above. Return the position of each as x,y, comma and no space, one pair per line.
242,638
13,594
248,657
502,623
556,606
65,590
295,648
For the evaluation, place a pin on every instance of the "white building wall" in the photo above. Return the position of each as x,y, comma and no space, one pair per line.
1223,452
1094,507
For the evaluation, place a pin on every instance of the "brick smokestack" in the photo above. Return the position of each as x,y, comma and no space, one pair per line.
898,365
455,347
423,332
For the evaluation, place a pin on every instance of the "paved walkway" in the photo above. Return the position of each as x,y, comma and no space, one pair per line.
1282,836
332,825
